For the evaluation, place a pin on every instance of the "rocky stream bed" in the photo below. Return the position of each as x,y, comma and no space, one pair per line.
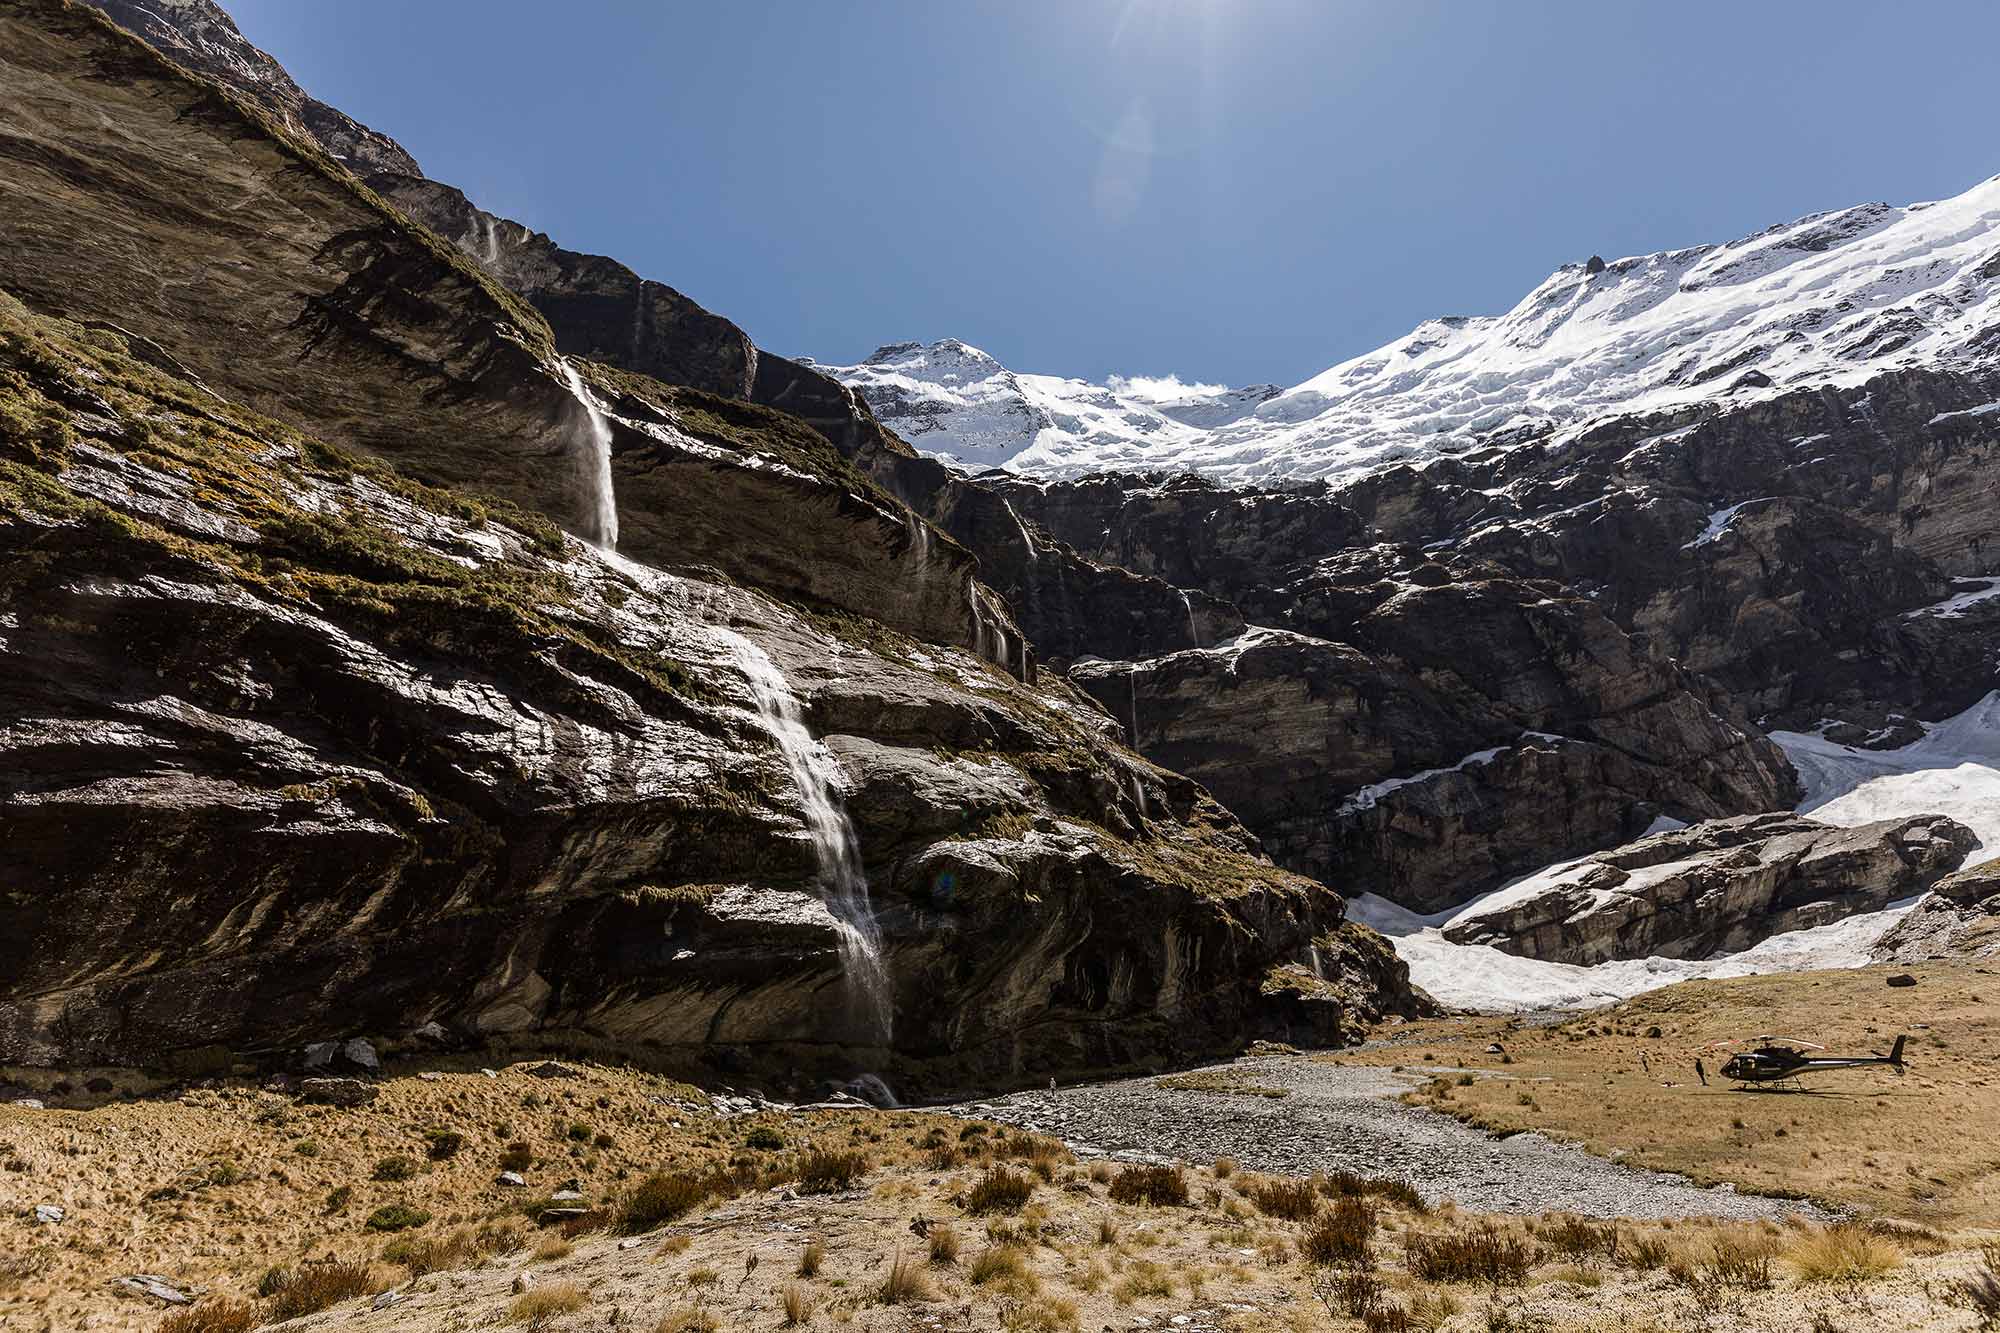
1336,1117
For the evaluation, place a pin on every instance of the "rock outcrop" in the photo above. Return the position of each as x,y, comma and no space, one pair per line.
1405,760
1715,887
1960,919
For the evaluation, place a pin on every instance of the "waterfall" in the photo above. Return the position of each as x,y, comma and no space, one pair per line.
490,238
839,853
599,525
1194,635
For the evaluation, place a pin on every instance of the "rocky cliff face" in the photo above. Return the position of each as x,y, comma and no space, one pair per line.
303,747
1716,887
307,745
136,195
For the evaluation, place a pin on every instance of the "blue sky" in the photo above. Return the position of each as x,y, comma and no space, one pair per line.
1227,190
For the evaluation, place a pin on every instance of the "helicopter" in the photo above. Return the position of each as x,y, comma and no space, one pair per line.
1784,1059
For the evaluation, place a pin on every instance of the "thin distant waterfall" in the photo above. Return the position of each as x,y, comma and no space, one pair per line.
592,451
840,875
1194,635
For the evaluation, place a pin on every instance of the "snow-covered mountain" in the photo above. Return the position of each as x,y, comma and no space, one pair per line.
951,399
1831,299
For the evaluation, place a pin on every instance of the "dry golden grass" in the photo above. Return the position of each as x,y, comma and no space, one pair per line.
1842,1254
545,1302
141,1184
1919,1147
799,1304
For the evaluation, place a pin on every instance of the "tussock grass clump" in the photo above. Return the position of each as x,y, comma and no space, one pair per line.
659,1199
1143,1278
1843,1253
1483,1253
219,1315
999,1191
551,1248
798,1304
830,1172
944,1243
541,1303
906,1282
1341,1235
314,1287
1004,1267
432,1254
811,1256
688,1319
1292,1200
1050,1314
1646,1252
1159,1186
1742,1259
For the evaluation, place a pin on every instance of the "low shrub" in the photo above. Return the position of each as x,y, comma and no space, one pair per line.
217,1315
397,1217
1160,1186
314,1287
431,1254
830,1172
1388,1188
999,1191
443,1144
764,1139
1481,1254
659,1199
395,1169
1579,1238
1292,1200
1340,1236
518,1157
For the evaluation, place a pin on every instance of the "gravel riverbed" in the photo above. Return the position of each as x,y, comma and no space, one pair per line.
1346,1117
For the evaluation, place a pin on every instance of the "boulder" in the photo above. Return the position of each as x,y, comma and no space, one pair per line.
346,1092
1713,887
1959,920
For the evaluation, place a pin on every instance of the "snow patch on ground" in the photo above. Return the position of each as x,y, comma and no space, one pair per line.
1953,770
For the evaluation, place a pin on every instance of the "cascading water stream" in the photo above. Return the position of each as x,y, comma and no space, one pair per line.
1194,635
592,451
841,879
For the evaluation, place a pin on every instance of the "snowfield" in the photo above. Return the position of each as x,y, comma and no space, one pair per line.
1953,770
1831,299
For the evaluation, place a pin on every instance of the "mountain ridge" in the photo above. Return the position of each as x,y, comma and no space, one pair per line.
1826,300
